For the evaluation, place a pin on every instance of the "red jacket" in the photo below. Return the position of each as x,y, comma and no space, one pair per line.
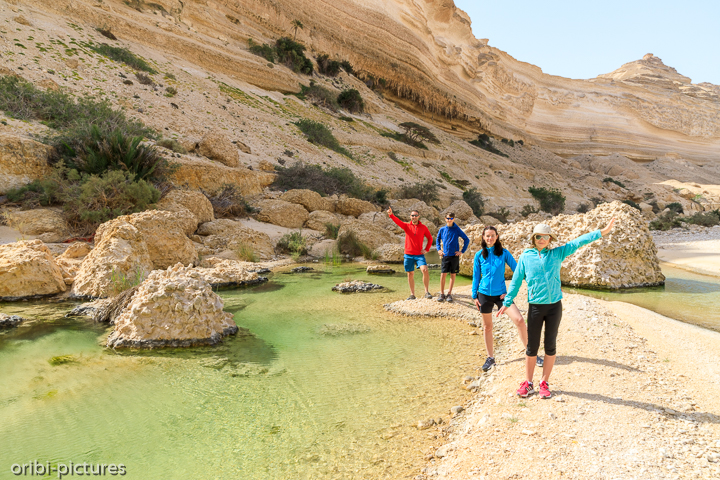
414,236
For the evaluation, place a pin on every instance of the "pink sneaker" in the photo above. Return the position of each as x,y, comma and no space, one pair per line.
545,390
526,388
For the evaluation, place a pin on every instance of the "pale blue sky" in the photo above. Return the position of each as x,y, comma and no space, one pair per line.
578,39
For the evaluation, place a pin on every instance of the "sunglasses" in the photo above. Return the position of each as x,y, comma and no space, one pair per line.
414,215
449,218
542,237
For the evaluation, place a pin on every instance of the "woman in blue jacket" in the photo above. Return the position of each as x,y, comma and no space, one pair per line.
540,268
488,288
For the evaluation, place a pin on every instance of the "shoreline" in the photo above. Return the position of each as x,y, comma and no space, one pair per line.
696,249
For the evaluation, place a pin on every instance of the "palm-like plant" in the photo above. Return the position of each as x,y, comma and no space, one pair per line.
297,24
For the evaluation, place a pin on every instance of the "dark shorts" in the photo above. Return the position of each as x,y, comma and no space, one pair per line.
450,264
488,301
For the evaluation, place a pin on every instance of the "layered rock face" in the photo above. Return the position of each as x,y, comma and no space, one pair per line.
225,235
369,234
626,258
28,269
192,200
174,307
21,161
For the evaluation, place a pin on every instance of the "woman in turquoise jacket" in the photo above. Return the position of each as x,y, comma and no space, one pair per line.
488,288
540,268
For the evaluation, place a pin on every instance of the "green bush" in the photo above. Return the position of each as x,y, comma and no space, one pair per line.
320,96
246,253
349,244
331,230
551,199
330,181
326,66
632,204
418,133
501,214
292,54
264,50
400,137
475,200
319,134
705,219
144,79
529,210
347,66
123,55
172,144
292,243
483,141
583,208
351,100
116,151
616,182
170,91
675,207
425,191
666,221
228,202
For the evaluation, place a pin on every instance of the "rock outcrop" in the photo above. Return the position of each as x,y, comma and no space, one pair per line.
28,269
379,269
21,161
216,146
319,218
9,321
312,201
461,210
71,259
282,213
49,225
229,235
354,207
391,253
356,286
227,273
192,200
370,235
165,235
402,209
626,258
210,176
172,308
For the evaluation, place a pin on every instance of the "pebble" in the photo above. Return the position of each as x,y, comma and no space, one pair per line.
457,409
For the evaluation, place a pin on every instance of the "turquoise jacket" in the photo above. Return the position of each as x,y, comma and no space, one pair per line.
541,271
489,273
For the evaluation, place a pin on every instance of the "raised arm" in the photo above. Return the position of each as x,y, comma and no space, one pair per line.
573,245
397,221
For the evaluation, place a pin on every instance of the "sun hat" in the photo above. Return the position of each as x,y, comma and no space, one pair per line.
543,229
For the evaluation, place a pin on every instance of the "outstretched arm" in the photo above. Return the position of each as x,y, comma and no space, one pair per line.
609,227
573,245
397,221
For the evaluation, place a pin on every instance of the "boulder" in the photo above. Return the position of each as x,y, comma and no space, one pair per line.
48,224
430,225
370,235
209,176
354,206
323,248
228,273
317,220
216,146
647,211
461,210
224,234
391,253
282,213
172,308
21,161
381,219
71,259
356,286
379,269
192,200
488,220
402,209
312,201
9,321
28,269
120,259
626,258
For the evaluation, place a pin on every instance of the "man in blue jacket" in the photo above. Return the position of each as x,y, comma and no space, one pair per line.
448,247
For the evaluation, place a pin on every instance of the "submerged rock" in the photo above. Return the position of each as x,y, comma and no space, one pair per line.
379,269
89,309
28,269
302,269
172,308
337,329
356,286
626,258
9,321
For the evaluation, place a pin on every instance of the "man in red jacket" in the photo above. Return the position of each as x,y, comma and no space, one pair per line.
415,234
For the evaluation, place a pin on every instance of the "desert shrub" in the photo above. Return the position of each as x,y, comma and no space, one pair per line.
665,221
123,55
475,200
292,54
655,207
400,137
170,91
326,66
425,191
583,208
597,201
351,100
106,32
501,214
170,76
632,204
116,151
528,210
292,243
245,252
705,219
675,207
228,202
122,286
483,141
144,79
418,133
319,134
347,66
346,119
172,144
331,230
329,181
349,244
264,50
616,182
320,96
551,199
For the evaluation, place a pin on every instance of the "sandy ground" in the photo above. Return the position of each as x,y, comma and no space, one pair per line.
697,249
11,235
631,400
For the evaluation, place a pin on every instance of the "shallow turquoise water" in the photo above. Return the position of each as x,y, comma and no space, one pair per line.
288,402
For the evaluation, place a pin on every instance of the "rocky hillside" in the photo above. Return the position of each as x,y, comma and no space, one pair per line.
235,112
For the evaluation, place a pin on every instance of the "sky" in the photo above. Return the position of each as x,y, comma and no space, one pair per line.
579,39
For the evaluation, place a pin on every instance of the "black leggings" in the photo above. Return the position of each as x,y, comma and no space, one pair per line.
550,315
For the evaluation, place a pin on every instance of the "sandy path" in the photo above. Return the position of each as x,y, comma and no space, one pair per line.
11,235
631,401
697,250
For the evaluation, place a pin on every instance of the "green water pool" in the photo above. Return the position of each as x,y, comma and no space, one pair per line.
328,386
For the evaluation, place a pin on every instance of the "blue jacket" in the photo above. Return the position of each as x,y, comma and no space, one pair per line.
450,238
541,271
489,273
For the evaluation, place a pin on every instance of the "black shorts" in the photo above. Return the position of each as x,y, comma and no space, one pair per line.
450,264
488,301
